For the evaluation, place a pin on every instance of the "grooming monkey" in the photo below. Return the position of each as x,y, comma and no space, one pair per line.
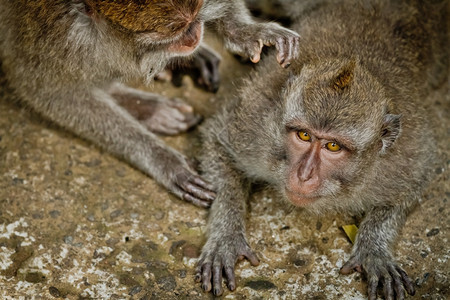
68,59
343,130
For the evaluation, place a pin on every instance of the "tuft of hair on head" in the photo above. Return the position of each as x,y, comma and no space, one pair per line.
344,77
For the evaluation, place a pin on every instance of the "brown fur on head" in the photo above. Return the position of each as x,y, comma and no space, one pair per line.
163,17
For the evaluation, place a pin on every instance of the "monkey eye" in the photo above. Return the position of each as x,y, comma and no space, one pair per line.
333,147
304,136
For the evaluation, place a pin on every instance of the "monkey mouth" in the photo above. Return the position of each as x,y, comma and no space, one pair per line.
190,39
301,199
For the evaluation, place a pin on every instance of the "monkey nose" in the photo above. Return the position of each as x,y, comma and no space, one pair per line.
305,173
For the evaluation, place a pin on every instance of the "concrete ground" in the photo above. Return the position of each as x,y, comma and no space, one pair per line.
78,223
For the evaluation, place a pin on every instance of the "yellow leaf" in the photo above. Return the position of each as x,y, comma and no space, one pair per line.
350,231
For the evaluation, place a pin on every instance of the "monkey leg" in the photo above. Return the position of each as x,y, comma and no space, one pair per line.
372,256
203,68
158,113
226,242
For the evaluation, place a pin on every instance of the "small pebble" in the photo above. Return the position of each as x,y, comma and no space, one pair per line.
54,292
433,232
115,213
55,213
135,290
68,239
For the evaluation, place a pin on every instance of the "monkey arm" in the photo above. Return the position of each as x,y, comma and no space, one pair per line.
372,253
245,37
94,115
226,224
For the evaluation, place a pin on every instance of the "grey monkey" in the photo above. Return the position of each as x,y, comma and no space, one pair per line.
341,131
68,61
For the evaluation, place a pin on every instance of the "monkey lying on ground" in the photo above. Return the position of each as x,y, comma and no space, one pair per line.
66,59
342,130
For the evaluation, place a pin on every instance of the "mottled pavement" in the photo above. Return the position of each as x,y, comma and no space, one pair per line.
78,223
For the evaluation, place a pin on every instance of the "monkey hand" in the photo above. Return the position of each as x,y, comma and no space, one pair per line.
203,68
169,117
381,269
220,255
186,183
249,39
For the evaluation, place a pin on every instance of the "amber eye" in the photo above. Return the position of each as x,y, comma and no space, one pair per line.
333,147
304,136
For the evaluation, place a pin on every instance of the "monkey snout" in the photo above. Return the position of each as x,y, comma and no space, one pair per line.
190,40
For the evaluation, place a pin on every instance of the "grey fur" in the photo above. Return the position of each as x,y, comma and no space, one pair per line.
394,52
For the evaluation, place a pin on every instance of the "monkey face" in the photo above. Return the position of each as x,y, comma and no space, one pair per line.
315,163
173,25
333,136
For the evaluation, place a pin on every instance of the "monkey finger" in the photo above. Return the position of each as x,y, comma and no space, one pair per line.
217,279
198,192
209,74
180,122
350,266
254,260
231,280
255,52
388,289
197,202
198,276
281,50
407,282
203,184
161,129
178,126
296,47
185,114
183,107
206,62
178,110
293,45
198,268
206,277
398,287
182,125
373,286
193,120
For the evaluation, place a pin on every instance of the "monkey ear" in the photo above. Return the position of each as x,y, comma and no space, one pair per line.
344,77
390,131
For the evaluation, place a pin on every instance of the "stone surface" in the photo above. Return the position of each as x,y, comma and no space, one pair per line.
78,223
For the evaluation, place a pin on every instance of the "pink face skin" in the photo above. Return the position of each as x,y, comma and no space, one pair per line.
189,40
313,159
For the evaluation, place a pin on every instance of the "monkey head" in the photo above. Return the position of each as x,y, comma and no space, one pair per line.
338,123
173,25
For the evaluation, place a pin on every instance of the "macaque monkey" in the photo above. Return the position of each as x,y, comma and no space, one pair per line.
68,61
342,130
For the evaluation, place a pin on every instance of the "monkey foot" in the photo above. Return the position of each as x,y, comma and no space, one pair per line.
219,257
381,270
